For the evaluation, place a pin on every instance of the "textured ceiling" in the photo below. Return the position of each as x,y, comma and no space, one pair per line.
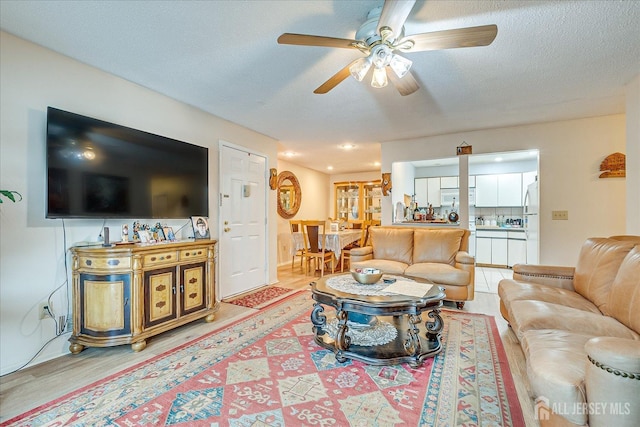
551,60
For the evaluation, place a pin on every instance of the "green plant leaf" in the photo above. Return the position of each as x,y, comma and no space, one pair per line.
11,195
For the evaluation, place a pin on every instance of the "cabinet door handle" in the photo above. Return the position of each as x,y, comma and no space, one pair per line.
126,302
174,290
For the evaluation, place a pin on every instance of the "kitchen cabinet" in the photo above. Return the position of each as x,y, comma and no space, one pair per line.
503,190
483,250
510,189
486,190
448,182
433,188
421,191
128,293
427,191
516,250
357,200
491,247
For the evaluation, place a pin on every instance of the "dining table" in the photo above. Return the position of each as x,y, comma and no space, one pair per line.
334,240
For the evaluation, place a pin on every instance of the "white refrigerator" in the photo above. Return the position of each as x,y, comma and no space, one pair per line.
532,223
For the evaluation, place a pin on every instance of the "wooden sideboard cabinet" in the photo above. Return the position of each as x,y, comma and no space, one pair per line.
128,293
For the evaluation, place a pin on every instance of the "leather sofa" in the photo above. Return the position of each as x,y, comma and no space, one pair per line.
437,254
579,329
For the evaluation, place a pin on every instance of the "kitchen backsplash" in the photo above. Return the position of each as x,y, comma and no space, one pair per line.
495,213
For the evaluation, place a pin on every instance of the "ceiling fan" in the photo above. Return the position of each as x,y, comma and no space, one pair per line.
380,37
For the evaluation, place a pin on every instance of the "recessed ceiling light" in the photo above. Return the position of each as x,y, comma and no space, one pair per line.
376,163
289,154
347,146
330,168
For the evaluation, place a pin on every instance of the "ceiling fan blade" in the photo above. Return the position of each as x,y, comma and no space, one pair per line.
449,39
335,80
309,40
394,14
406,85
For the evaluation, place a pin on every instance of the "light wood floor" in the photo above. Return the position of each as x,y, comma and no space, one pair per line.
31,387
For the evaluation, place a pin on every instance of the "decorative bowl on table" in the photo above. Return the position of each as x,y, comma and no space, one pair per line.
366,276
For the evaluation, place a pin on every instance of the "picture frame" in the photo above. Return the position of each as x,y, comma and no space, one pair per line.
169,234
145,236
200,226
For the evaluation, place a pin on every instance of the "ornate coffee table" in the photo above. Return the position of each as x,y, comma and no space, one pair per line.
374,326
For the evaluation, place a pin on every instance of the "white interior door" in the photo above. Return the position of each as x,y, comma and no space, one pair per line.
242,251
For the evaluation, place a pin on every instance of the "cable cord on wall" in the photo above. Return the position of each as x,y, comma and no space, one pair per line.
60,329
178,230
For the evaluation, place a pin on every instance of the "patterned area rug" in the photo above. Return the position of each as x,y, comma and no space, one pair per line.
266,370
261,298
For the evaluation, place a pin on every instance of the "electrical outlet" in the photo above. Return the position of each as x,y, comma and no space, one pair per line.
560,215
44,311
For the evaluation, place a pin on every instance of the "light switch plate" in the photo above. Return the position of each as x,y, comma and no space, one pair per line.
559,215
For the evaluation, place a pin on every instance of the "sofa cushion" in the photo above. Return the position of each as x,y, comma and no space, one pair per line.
624,298
528,315
385,265
392,243
511,290
439,273
556,366
598,263
433,245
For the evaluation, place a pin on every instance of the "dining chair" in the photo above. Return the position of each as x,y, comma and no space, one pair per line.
296,227
345,255
314,232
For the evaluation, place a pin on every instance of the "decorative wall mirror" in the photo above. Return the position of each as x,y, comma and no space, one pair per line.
289,194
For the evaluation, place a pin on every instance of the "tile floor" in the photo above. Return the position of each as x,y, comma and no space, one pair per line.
487,278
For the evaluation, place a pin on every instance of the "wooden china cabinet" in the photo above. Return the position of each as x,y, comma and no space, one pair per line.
357,200
128,293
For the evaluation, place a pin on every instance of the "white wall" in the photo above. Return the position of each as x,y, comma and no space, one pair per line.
315,203
570,156
32,247
633,156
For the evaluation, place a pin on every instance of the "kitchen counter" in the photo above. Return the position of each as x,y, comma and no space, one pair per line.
428,223
496,228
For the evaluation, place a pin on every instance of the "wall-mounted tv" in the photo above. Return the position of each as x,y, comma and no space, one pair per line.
97,169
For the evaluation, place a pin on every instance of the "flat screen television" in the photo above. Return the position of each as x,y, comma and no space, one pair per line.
97,169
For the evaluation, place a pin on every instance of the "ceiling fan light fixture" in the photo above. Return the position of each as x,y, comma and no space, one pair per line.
381,55
360,68
400,65
379,79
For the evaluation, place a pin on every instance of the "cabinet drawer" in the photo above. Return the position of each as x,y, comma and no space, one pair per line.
492,234
105,263
193,253
516,235
159,258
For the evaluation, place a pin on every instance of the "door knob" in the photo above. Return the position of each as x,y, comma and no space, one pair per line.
226,223
227,229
